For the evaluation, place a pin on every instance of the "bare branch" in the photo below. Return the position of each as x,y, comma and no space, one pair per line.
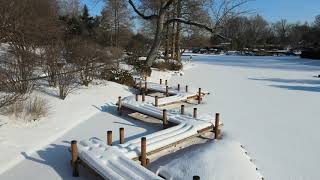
154,16
167,5
203,26
229,10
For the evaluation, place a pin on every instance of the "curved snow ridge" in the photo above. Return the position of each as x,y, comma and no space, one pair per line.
132,149
111,163
172,91
174,98
186,127
175,117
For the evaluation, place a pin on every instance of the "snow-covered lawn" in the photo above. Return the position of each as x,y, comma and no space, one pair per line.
268,104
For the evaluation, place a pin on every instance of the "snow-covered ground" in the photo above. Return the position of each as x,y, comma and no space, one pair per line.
212,161
269,104
16,137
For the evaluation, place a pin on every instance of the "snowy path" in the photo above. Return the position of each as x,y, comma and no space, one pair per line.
269,104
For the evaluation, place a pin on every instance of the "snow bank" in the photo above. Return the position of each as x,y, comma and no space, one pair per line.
63,116
212,161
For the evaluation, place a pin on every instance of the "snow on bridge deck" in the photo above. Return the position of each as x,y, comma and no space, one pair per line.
116,162
175,95
110,163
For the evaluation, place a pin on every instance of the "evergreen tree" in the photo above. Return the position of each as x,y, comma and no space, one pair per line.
317,21
87,22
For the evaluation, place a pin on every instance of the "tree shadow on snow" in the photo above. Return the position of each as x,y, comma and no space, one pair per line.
267,62
149,127
306,84
58,158
299,88
281,80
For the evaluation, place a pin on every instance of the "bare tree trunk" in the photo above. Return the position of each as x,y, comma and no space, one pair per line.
177,39
166,52
116,27
157,40
173,36
228,7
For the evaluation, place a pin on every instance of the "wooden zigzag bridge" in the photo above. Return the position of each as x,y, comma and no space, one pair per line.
118,161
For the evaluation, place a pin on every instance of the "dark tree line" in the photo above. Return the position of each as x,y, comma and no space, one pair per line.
256,32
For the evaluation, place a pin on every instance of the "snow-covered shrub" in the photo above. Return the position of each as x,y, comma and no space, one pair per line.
30,110
171,65
119,76
138,66
67,81
37,108
138,45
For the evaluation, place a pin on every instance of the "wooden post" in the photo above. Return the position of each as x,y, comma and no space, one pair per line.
74,158
121,133
196,177
216,126
199,96
187,87
137,97
119,104
143,96
143,157
145,86
195,110
167,91
182,109
165,119
178,87
156,100
166,82
109,138
160,81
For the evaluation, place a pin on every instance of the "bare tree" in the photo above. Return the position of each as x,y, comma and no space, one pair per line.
222,12
116,18
67,80
24,27
10,85
281,29
69,7
87,56
52,60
